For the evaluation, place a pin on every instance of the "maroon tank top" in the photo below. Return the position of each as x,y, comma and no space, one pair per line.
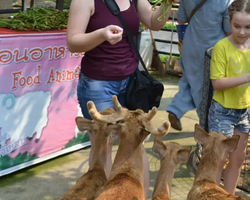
111,62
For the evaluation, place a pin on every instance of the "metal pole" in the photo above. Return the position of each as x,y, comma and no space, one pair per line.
59,4
24,7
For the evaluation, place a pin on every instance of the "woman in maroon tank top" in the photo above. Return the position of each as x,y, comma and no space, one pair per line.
109,59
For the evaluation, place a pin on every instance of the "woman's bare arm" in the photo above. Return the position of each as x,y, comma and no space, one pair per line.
77,38
149,18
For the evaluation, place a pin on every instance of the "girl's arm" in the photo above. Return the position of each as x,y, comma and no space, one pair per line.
149,18
218,68
181,22
226,83
77,39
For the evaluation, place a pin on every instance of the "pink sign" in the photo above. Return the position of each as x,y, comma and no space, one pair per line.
38,102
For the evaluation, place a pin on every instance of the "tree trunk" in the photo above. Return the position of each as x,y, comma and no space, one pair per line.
27,3
37,3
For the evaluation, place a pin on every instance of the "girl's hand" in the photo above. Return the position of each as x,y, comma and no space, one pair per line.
113,34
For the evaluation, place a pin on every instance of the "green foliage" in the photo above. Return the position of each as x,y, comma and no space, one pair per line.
38,19
168,25
81,138
164,57
7,162
67,2
162,4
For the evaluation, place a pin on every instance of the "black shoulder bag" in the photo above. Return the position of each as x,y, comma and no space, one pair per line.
143,91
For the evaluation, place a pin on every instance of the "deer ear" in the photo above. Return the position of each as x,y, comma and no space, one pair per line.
84,124
231,143
200,134
159,147
183,154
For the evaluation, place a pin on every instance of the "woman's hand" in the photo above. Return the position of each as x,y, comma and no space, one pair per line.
152,16
113,34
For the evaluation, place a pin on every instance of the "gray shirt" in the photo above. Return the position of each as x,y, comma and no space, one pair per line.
209,24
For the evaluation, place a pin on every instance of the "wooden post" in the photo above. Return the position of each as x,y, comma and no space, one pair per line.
24,6
59,4
37,3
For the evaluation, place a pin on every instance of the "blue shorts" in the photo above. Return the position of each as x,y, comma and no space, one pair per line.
100,92
226,120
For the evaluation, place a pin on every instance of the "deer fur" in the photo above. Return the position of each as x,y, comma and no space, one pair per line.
126,177
171,155
88,184
216,147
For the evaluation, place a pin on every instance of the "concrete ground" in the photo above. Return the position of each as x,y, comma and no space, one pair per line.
50,180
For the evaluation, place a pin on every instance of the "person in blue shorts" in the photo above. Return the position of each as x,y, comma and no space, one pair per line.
209,24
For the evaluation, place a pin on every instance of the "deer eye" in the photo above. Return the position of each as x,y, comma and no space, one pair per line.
120,122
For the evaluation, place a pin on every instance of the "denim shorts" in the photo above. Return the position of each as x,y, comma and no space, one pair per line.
225,120
100,92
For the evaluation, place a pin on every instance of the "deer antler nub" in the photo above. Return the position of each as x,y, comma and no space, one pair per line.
146,120
161,131
120,114
151,114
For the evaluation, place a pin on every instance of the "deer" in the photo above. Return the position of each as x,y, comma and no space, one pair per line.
216,147
171,155
89,183
126,176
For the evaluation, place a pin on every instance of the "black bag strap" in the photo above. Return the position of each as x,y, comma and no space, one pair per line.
115,10
195,9
135,2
